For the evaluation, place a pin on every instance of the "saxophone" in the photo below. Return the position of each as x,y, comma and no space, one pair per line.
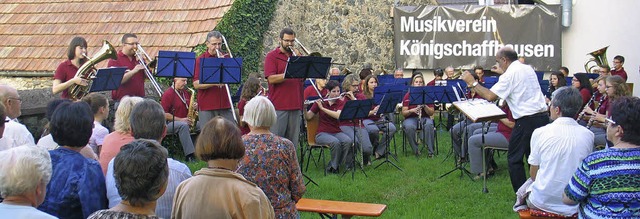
192,112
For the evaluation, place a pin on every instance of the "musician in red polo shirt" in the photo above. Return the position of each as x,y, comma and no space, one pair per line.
133,80
175,102
618,61
285,94
213,99
65,74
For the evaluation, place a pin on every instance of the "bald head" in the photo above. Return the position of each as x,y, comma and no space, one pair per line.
11,100
508,53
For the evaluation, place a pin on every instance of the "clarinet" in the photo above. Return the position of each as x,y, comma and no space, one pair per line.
593,117
593,97
419,126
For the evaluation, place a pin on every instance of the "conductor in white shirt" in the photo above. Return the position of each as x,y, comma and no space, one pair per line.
519,88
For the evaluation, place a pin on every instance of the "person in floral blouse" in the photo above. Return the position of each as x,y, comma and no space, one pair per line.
270,161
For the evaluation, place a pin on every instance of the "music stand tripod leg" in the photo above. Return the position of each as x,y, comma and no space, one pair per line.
387,153
460,166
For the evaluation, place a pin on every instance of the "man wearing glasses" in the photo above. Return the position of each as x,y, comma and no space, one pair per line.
556,152
285,94
618,61
133,80
213,99
15,134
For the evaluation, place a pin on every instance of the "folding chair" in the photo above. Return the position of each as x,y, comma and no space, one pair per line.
312,130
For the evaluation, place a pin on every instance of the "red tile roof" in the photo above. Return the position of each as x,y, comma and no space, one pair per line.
35,34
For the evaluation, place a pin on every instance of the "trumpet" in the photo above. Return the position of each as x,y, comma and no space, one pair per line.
145,60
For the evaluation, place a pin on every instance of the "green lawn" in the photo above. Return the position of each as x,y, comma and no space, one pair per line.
417,192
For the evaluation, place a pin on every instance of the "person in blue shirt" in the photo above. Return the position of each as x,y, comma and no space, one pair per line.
77,187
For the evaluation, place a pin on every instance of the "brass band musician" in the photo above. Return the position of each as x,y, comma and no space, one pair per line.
285,94
64,76
414,114
133,79
175,102
212,98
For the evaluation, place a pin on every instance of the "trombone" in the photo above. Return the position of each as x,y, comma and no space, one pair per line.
226,86
145,60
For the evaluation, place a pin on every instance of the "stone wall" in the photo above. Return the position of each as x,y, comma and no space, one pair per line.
352,32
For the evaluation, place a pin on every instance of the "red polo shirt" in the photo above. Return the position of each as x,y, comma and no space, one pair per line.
622,73
502,128
65,71
288,94
327,123
213,98
135,85
171,102
243,129
405,102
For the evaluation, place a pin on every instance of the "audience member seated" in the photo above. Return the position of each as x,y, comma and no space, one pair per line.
15,134
46,141
605,185
498,139
122,133
147,122
3,119
141,174
556,152
77,186
25,172
217,191
100,108
270,161
175,102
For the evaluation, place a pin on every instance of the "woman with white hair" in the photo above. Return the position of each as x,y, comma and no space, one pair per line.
270,161
25,172
112,143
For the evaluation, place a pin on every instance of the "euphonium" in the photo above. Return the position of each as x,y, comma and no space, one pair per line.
599,57
192,113
87,71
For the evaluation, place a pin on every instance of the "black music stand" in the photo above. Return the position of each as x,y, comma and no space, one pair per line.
304,67
381,91
221,70
107,79
176,64
421,96
354,110
388,105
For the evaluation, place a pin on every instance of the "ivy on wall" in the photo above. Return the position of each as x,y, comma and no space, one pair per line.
244,26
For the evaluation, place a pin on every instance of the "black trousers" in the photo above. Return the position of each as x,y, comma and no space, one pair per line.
520,146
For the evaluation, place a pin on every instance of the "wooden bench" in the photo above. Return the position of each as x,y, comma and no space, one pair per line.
331,209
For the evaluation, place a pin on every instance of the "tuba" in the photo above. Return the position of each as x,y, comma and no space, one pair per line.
87,70
192,112
599,57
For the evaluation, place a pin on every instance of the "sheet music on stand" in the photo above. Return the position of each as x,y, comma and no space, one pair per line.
480,110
